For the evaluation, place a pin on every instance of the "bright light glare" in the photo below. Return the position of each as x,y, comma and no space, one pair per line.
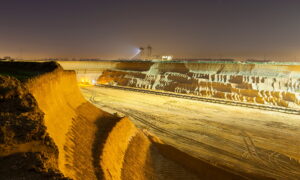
167,58
136,51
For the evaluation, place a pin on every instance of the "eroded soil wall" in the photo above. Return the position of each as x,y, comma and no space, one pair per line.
270,84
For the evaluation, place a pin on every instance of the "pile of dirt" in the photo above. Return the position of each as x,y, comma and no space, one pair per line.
26,149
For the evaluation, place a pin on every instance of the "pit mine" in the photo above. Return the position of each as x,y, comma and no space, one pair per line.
48,130
241,116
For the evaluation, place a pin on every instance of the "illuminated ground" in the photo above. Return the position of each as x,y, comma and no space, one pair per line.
244,139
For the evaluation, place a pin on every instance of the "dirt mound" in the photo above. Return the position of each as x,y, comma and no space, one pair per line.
48,130
26,150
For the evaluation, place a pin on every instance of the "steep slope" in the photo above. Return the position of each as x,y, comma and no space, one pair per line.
69,119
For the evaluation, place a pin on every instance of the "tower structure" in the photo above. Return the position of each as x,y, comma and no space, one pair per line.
149,52
142,53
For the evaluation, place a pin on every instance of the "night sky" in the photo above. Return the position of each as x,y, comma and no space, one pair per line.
111,29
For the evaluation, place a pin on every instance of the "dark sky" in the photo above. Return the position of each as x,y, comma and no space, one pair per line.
184,28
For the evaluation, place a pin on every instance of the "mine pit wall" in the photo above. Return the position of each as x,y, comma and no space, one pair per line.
271,84
77,127
58,97
89,71
73,123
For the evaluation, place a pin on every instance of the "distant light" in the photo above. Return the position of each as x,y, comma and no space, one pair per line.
136,52
167,58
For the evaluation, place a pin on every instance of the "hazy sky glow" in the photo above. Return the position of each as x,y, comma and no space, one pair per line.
114,28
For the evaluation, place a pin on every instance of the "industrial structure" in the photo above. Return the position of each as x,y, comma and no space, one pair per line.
146,55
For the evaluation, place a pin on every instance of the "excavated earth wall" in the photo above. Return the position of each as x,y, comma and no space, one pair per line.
270,84
49,131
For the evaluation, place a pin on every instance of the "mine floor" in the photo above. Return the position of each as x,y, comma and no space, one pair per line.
207,99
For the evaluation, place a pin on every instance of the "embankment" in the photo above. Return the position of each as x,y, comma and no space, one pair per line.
48,130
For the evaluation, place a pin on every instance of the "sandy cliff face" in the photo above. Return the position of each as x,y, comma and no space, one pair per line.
58,97
49,130
277,85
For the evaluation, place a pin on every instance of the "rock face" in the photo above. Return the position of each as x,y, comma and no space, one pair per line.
49,131
270,84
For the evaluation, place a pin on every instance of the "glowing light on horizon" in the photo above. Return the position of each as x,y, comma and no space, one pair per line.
137,51
168,58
